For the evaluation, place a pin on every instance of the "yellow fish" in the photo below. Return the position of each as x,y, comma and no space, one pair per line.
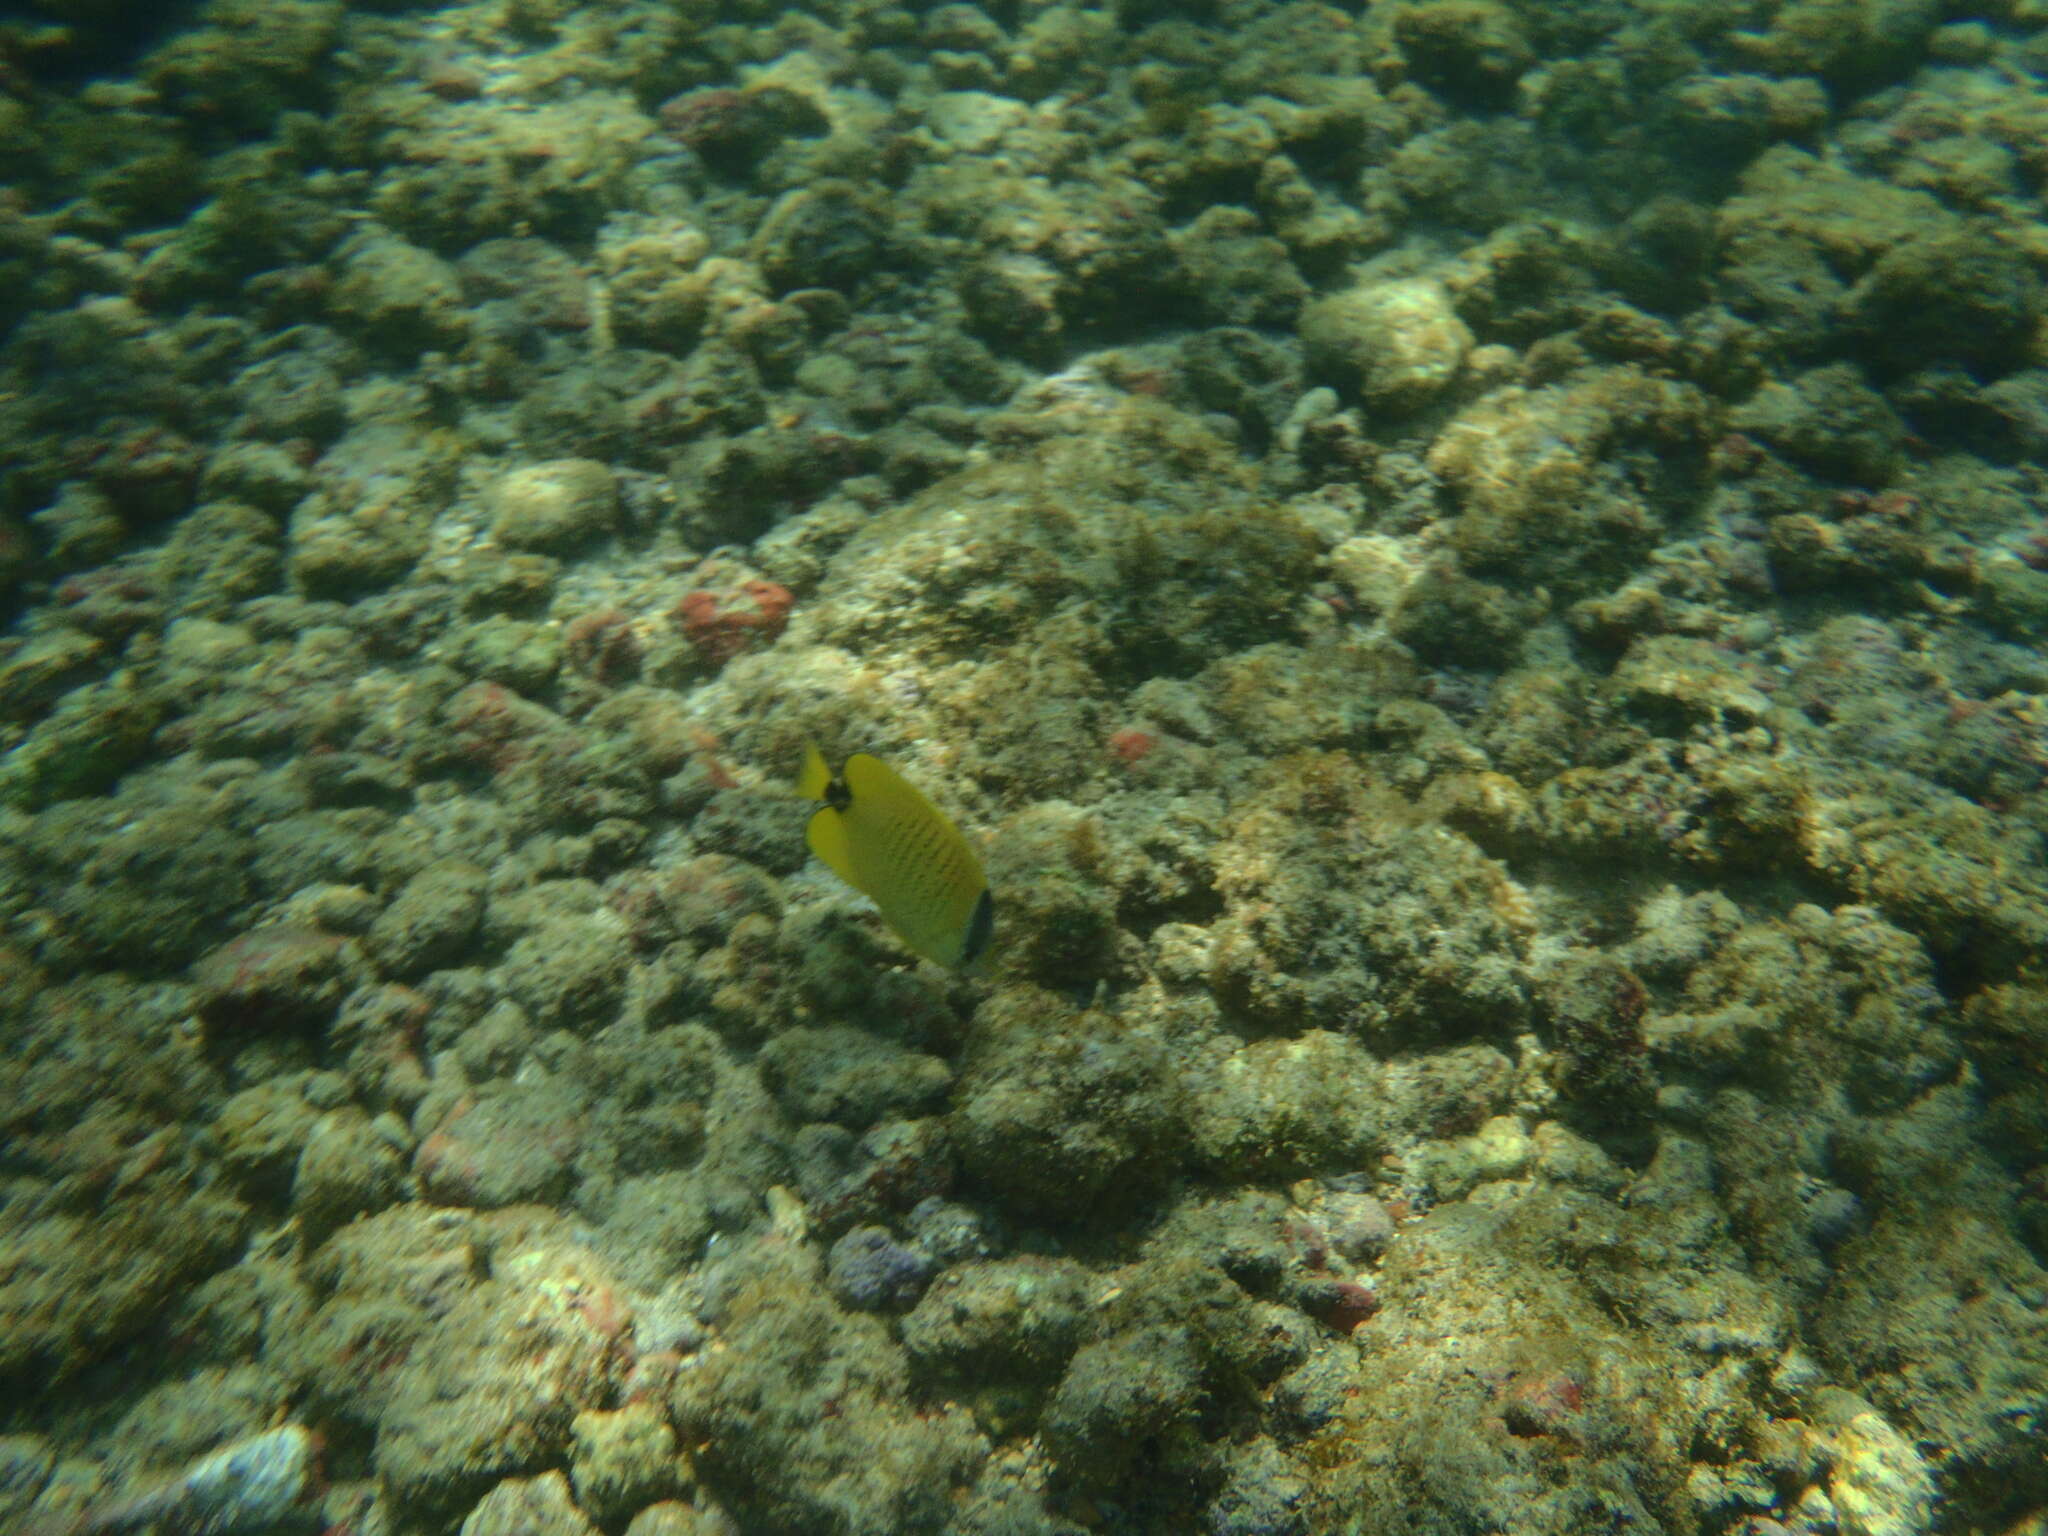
882,837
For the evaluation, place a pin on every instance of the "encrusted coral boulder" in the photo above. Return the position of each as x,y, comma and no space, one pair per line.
1398,344
555,506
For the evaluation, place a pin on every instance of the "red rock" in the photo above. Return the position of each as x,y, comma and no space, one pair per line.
1341,1305
721,626
1131,747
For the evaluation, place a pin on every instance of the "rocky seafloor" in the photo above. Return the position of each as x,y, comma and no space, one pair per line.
1477,571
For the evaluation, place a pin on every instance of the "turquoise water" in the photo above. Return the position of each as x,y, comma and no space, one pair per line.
1475,574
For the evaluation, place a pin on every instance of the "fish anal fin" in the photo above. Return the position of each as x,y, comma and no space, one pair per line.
826,833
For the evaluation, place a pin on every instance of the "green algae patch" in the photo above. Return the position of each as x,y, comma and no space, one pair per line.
96,734
803,1423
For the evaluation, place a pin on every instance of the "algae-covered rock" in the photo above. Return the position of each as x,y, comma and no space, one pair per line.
1052,1113
1133,1391
1860,987
1473,50
382,1280
257,1482
1370,917
46,668
1831,422
397,296
1596,1009
335,553
282,978
492,1387
803,1421
1013,299
999,1322
294,394
569,971
1729,117
349,1166
260,475
624,1460
884,1176
849,1076
221,554
1670,682
1847,43
153,890
1245,374
26,1462
1896,1323
674,1518
518,653
1500,1149
471,172
732,129
1287,1106
1399,344
1516,837
261,1131
1878,1482
1947,298
97,733
105,1102
528,1506
1568,484
1545,1385
80,527
659,287
1243,276
73,1289
247,64
554,507
1263,1490
509,1147
431,920
827,235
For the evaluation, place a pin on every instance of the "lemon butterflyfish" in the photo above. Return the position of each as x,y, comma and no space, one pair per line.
878,833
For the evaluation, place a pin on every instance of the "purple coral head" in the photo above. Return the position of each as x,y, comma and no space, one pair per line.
868,1269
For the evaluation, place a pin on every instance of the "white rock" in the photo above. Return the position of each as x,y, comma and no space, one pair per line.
1880,1485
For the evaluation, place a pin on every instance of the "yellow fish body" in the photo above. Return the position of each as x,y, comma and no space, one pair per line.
879,834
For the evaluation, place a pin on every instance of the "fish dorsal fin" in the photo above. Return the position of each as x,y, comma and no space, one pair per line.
815,782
